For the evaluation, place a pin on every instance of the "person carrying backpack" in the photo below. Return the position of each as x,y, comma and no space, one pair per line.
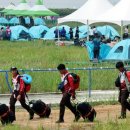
19,92
123,85
67,87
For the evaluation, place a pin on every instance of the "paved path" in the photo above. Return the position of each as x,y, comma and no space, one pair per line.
54,98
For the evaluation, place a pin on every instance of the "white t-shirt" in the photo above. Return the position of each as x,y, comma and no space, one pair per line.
126,30
123,78
16,85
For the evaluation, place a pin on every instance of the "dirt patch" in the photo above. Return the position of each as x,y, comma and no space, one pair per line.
104,113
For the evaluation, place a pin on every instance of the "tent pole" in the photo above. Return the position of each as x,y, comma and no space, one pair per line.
58,34
88,30
121,30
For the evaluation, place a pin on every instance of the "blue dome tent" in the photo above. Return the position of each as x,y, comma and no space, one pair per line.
19,33
39,21
38,31
83,31
50,34
108,31
3,20
14,21
121,51
104,50
27,20
3,26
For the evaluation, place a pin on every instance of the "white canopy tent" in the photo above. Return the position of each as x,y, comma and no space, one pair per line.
89,10
119,14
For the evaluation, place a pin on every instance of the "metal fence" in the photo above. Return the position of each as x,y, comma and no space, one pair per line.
46,80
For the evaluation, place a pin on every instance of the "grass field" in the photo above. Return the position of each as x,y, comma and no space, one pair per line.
41,55
125,125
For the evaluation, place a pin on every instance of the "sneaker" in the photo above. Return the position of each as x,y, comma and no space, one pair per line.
60,121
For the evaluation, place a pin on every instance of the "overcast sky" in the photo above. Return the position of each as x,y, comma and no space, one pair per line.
53,3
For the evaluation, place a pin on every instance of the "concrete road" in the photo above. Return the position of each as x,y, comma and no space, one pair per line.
54,98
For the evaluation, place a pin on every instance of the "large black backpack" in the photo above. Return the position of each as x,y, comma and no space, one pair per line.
40,108
6,116
86,111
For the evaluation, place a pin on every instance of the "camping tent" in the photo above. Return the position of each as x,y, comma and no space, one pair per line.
89,10
38,31
119,14
121,51
3,20
27,20
83,31
108,31
50,34
19,32
104,50
8,8
38,10
14,20
23,6
39,21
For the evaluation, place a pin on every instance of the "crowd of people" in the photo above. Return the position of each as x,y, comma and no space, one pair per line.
70,82
5,34
62,33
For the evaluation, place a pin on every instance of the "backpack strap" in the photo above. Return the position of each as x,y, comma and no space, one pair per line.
88,114
5,114
18,79
44,112
66,77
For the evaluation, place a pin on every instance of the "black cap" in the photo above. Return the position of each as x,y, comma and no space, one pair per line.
13,69
119,65
61,67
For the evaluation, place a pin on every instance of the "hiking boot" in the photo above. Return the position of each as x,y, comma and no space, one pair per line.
31,115
60,121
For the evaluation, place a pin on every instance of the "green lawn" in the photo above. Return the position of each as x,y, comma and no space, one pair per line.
41,55
110,125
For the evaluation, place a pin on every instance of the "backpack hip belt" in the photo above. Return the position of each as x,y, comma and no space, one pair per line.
87,115
41,114
5,114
